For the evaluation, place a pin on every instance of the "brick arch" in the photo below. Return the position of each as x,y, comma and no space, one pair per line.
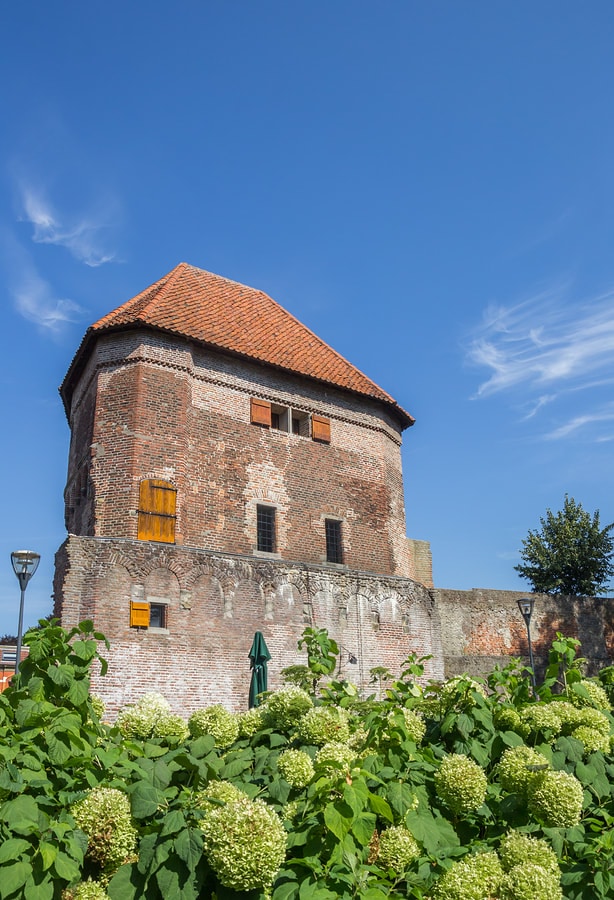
162,581
204,567
128,561
163,560
207,600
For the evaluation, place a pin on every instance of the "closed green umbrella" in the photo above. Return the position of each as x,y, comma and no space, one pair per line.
258,658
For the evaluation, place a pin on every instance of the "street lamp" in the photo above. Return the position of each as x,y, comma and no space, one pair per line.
525,605
25,564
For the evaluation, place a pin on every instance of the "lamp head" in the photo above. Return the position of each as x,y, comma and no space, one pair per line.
525,605
25,564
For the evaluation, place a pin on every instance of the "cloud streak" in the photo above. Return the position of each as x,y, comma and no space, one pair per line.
542,349
82,237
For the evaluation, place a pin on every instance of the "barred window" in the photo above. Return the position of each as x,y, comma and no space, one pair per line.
265,526
334,549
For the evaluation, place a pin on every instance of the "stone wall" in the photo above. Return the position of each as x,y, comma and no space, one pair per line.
216,602
482,628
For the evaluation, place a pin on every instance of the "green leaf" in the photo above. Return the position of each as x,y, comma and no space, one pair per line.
61,675
59,751
189,847
65,867
48,853
20,814
78,691
400,796
338,818
127,884
13,877
11,849
363,828
286,891
43,889
145,800
381,807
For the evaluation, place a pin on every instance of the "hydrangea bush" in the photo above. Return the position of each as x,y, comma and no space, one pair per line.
431,792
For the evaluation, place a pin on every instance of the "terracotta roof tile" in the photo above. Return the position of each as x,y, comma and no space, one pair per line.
225,314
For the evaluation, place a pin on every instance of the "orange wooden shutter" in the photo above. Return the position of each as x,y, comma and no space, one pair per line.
260,412
157,511
320,429
139,615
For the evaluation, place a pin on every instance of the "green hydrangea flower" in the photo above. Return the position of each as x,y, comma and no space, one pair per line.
506,718
567,713
171,726
458,692
541,718
556,799
594,718
139,719
413,721
528,881
282,709
518,848
519,767
218,790
245,844
475,877
98,706
592,739
398,848
333,756
460,784
104,816
85,890
216,721
322,724
290,810
250,722
597,697
296,767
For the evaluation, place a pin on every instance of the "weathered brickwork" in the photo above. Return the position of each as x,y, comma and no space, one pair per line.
483,628
216,603
166,410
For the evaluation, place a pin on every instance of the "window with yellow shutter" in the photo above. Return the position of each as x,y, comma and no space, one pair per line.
320,429
260,412
139,615
157,511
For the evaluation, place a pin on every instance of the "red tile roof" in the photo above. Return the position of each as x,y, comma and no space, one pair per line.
225,314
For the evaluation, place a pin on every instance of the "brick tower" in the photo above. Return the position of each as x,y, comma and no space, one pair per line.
230,472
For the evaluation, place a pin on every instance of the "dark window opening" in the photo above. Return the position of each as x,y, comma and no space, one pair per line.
296,426
265,524
334,550
157,615
275,420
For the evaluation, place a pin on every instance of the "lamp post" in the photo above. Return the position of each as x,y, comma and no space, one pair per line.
25,564
525,605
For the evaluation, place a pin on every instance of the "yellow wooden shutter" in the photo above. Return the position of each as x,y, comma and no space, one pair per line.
320,429
260,412
139,615
157,511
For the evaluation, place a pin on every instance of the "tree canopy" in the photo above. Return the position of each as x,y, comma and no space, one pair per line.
571,554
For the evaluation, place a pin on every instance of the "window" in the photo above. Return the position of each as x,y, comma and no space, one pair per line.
148,615
334,550
260,412
157,511
265,527
320,429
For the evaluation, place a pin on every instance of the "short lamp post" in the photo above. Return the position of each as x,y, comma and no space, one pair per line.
526,610
25,564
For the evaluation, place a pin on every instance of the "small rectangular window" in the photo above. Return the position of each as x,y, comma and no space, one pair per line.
157,615
320,429
334,550
265,525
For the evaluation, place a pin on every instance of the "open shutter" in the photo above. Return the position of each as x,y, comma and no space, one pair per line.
260,412
320,429
139,615
157,511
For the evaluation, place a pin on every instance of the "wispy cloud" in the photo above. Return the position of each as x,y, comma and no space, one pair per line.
33,297
546,347
82,236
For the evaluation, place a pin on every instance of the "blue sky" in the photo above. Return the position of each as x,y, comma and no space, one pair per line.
428,186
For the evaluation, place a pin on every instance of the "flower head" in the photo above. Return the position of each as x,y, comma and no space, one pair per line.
104,816
296,767
171,726
398,848
592,739
138,720
85,890
541,718
222,791
334,756
519,767
322,724
597,697
460,784
507,718
474,877
283,708
245,844
216,721
518,848
556,799
529,881
250,722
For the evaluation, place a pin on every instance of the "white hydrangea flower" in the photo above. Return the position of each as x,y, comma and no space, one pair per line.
398,848
475,877
322,724
104,816
216,721
529,881
519,767
556,799
460,784
296,767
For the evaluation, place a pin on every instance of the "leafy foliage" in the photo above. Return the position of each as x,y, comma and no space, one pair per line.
453,791
571,554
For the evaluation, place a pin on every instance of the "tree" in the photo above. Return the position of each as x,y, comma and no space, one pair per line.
571,555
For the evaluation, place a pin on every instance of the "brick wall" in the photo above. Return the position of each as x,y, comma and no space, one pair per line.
482,628
215,604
